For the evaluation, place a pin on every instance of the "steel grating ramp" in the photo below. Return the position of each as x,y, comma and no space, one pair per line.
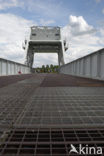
62,107
41,120
53,142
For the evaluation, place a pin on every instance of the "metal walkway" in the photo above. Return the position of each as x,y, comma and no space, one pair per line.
43,114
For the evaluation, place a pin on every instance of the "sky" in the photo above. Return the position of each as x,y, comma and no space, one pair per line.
81,22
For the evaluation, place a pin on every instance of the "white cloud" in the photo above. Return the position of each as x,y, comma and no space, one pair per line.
46,22
81,38
78,26
98,1
102,36
13,30
5,4
103,11
12,33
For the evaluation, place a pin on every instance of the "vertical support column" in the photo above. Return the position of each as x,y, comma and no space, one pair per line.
79,66
30,59
15,68
98,65
60,54
6,67
0,67
72,68
91,66
60,59
10,69
83,66
75,67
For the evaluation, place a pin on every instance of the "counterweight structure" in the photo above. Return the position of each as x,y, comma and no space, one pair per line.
45,40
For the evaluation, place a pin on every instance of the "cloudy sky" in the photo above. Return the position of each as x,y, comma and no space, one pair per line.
81,21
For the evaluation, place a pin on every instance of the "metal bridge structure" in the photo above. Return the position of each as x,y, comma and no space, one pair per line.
45,40
46,114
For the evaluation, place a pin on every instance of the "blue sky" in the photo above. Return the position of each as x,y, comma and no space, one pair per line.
80,21
57,10
38,9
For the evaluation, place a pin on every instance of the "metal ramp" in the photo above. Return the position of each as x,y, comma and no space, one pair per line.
50,142
41,120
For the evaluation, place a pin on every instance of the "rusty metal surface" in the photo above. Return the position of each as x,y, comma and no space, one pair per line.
63,107
14,98
50,142
57,80
6,80
44,121
26,104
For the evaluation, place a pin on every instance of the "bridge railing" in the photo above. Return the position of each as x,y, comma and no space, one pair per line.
8,67
91,66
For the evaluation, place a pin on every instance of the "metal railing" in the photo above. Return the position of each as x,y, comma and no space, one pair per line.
8,67
91,66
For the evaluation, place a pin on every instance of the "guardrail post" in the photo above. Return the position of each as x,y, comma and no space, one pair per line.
0,67
6,67
91,66
98,65
83,66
